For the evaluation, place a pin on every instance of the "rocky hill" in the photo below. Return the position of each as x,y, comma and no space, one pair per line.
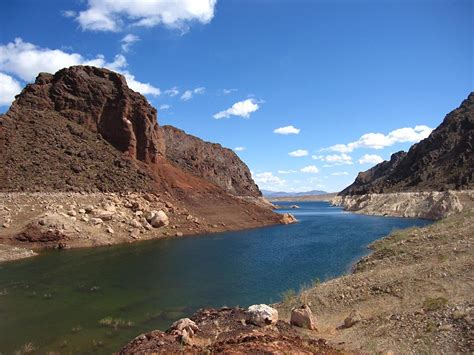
81,140
210,161
443,161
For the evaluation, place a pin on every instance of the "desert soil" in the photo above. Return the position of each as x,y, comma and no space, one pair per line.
414,294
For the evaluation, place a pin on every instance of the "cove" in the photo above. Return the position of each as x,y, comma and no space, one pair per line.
96,300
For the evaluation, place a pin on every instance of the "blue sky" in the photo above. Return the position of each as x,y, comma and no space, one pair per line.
349,82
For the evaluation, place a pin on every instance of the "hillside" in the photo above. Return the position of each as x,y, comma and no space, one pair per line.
81,137
443,161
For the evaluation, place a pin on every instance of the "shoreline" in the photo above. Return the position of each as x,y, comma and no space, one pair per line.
32,222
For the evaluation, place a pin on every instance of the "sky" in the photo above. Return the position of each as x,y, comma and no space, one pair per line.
307,93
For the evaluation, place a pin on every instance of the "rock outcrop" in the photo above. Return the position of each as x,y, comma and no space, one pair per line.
209,161
428,205
225,331
443,161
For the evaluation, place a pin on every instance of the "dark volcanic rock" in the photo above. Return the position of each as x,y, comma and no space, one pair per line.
443,161
100,100
210,161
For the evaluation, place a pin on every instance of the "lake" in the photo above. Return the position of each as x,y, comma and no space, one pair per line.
96,300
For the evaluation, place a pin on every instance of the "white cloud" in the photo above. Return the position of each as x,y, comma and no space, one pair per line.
298,153
164,107
380,140
25,60
172,92
241,109
188,94
267,180
239,149
341,173
370,158
9,87
112,15
69,13
310,169
287,130
228,91
128,40
335,159
287,171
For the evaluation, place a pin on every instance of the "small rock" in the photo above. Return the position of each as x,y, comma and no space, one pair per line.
353,318
72,213
261,315
183,326
96,221
179,234
110,230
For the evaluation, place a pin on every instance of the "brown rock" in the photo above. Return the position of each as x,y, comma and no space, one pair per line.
303,317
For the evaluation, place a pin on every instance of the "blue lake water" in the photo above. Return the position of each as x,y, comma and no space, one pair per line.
55,301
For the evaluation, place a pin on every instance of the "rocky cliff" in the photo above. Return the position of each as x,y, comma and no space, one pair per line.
443,161
82,130
210,161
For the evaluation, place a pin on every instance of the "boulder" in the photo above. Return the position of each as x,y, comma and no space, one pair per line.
160,219
183,327
288,218
261,315
303,317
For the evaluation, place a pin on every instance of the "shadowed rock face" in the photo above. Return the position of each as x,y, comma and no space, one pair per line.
100,100
210,161
443,161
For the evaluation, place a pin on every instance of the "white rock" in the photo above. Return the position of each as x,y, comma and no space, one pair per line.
160,219
262,315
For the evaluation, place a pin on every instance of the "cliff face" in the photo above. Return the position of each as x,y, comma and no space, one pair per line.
101,101
210,161
84,129
443,161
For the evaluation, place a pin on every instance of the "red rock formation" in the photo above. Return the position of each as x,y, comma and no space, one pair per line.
100,100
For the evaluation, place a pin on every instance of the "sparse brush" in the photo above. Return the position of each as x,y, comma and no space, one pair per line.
26,349
433,304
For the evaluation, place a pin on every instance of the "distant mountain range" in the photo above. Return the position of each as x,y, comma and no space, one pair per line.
274,194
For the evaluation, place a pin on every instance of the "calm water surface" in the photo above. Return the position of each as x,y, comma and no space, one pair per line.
55,301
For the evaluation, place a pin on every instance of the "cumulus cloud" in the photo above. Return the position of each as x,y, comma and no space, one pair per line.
9,87
310,169
298,153
370,158
128,40
241,109
25,60
172,92
267,180
189,94
165,107
287,130
380,140
335,159
239,149
341,173
113,15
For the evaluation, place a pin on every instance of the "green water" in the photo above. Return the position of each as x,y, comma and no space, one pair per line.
56,300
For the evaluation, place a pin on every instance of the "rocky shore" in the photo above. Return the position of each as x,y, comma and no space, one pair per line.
428,205
36,221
